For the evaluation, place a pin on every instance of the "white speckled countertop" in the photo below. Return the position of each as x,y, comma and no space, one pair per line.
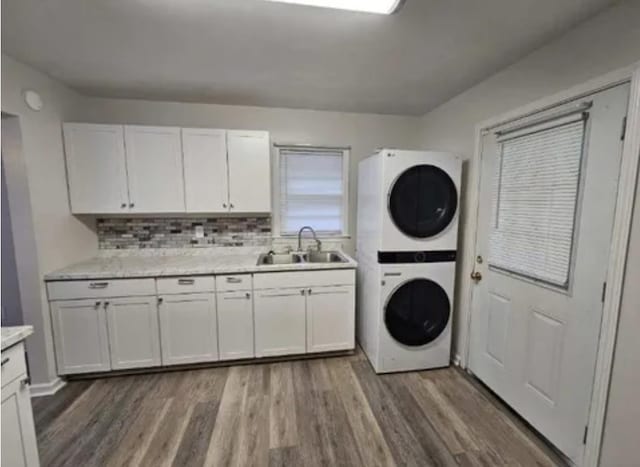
111,264
11,335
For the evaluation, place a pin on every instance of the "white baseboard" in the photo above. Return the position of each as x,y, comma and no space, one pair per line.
47,389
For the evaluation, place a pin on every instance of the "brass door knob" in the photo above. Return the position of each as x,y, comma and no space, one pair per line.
476,276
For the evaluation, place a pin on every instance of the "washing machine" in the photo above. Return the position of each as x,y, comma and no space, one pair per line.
406,324
407,233
417,203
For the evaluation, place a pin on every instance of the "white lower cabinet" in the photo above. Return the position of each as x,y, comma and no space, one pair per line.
80,336
134,336
280,322
235,325
19,445
188,328
330,318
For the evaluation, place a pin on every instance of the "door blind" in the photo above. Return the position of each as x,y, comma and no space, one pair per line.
311,190
534,201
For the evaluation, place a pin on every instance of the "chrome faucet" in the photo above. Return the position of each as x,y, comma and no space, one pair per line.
315,237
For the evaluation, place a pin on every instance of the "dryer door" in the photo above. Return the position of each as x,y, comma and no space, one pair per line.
417,312
423,201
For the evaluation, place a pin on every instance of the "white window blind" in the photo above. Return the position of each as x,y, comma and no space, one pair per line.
312,190
534,200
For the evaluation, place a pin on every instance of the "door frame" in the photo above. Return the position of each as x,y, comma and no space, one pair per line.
630,163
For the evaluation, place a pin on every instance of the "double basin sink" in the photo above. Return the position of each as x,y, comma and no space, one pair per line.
294,258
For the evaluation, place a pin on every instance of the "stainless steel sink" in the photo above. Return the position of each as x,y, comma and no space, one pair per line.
324,257
289,258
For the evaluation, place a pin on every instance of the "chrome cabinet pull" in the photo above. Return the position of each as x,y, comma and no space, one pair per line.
25,382
106,304
123,205
131,205
160,300
231,205
309,291
97,304
248,295
5,360
233,280
224,205
98,285
186,281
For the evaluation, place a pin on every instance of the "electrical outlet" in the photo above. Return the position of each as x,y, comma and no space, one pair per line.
199,231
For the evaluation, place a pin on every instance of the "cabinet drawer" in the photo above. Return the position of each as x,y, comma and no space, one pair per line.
13,365
233,282
185,284
275,280
70,290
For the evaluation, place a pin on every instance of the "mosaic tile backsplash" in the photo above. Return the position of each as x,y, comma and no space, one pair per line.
179,232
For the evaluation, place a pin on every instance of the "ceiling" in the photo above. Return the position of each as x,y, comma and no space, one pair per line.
251,52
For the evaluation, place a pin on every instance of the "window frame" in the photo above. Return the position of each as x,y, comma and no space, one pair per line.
276,214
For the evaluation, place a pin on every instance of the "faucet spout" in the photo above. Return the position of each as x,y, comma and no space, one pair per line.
313,232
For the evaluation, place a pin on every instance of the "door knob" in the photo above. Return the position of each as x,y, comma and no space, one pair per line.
476,276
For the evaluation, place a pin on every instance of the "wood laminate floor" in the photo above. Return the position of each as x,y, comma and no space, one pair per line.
323,412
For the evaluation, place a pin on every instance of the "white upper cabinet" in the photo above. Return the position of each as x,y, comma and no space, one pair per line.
205,170
249,171
96,168
155,169
115,169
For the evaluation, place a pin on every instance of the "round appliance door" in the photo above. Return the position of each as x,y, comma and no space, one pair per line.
423,201
417,312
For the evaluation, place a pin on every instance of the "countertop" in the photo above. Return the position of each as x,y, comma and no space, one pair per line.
112,264
11,335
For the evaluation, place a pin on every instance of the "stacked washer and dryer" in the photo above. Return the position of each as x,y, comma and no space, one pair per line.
406,251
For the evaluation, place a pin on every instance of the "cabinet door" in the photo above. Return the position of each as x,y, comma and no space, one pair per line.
134,337
330,318
205,170
188,328
155,169
19,446
80,336
280,322
96,168
235,325
249,171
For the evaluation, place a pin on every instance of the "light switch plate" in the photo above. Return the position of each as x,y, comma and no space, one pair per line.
199,231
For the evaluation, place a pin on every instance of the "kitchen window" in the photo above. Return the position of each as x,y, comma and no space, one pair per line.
313,190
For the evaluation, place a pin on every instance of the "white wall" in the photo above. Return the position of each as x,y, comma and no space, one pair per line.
46,235
609,41
621,432
363,132
11,306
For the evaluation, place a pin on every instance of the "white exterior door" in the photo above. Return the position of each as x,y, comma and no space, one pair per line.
547,201
205,170
134,335
235,325
280,322
330,318
80,336
96,168
249,171
155,169
188,328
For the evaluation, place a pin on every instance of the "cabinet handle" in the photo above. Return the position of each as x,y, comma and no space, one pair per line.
25,382
224,205
233,280
248,295
186,281
98,285
309,291
302,292
160,300
106,304
5,360
123,205
231,205
98,304
131,205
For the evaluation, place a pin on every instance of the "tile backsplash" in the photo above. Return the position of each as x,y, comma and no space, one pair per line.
180,232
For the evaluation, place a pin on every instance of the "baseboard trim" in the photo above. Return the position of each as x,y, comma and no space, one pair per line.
47,389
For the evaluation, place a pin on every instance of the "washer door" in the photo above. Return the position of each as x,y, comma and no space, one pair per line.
423,201
417,312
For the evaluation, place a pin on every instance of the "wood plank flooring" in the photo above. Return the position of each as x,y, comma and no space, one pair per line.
327,411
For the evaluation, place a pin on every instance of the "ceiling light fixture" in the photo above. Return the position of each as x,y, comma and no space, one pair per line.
383,7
